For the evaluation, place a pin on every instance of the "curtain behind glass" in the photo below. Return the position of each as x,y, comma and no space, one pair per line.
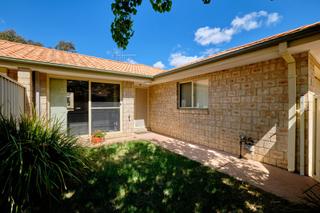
186,94
200,94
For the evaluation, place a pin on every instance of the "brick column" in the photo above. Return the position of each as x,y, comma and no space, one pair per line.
25,78
43,95
128,107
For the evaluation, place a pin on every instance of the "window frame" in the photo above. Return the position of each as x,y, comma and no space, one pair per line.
192,95
104,107
179,93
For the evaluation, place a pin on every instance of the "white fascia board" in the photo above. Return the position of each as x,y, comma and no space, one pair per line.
244,59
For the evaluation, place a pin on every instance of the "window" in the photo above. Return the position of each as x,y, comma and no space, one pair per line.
200,93
194,94
105,107
186,94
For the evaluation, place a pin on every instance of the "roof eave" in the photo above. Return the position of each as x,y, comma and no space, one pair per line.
286,38
32,62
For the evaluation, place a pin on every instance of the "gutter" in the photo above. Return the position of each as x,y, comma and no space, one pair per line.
31,62
273,42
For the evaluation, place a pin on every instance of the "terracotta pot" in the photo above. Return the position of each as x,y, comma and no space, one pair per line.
97,139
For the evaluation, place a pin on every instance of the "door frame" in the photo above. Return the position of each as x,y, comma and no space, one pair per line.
147,106
89,101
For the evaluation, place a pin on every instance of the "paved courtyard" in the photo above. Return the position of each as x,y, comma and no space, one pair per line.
269,178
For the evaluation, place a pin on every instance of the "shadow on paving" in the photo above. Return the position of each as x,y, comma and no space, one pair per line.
142,177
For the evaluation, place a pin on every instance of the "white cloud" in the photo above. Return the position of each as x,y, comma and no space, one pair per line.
273,18
210,51
178,59
216,35
131,61
159,65
249,21
207,35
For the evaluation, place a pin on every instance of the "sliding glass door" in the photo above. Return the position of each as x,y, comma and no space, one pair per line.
70,104
105,107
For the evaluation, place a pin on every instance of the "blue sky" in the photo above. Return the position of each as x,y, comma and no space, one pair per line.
190,31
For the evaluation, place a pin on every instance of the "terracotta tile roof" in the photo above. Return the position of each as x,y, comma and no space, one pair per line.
248,45
56,57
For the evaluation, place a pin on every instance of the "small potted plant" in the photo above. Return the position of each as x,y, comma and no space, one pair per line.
98,136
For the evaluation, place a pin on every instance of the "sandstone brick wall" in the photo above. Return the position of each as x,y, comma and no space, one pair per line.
12,74
43,95
251,99
128,94
314,82
24,77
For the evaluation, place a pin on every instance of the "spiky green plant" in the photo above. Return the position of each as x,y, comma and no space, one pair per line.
38,162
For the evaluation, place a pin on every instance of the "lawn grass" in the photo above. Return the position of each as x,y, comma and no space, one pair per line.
139,176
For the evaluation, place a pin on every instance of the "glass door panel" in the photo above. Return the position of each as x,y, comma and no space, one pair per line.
77,99
58,101
106,120
105,95
105,107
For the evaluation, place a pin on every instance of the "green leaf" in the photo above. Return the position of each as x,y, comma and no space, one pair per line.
123,10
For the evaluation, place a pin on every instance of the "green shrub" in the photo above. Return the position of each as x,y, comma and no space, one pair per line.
38,162
99,134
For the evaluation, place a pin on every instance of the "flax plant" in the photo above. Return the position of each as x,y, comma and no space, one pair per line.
38,163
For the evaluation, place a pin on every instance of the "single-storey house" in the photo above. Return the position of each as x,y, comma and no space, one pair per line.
268,90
